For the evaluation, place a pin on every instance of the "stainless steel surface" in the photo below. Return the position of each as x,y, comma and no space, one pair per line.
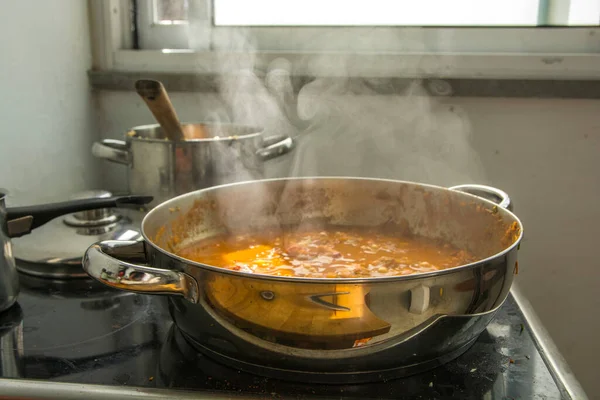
487,192
56,243
11,342
30,217
227,153
55,250
9,278
112,150
92,218
19,389
276,149
560,370
108,260
387,319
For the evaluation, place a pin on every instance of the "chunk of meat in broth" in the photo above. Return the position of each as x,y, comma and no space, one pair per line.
388,266
312,246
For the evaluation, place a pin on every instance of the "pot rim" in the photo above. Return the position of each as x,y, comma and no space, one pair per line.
256,132
330,281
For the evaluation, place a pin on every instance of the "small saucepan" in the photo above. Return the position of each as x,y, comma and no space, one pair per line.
19,221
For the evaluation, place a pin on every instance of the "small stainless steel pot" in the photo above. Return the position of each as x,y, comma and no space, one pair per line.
11,343
318,329
9,278
223,153
18,221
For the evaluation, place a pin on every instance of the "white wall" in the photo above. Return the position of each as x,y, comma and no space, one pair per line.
544,153
45,101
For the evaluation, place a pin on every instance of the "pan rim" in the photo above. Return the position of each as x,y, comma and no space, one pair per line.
255,132
329,281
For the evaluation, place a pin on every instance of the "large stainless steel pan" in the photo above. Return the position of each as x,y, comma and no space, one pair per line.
323,329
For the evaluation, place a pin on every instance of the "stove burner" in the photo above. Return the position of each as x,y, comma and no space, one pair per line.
55,250
80,289
78,311
325,377
181,365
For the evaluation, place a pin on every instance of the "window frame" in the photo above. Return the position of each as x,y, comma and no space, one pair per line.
521,53
157,35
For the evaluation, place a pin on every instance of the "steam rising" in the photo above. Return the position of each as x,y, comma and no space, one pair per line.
343,126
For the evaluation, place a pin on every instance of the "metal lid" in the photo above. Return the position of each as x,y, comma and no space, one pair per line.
90,218
56,249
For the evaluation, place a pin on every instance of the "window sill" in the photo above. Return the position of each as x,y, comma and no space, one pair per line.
484,75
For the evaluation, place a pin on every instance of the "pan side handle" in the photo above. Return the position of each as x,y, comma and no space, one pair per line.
271,150
112,150
487,192
120,264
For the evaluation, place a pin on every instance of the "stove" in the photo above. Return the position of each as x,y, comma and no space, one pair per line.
76,338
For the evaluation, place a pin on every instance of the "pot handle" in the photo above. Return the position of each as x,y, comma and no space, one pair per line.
275,149
119,264
22,220
112,150
487,192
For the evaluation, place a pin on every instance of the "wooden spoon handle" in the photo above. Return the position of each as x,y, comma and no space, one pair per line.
155,96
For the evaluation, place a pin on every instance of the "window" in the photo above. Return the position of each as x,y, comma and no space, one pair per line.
381,36
384,12
377,12
378,25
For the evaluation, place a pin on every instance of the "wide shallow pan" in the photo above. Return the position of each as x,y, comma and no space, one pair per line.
320,329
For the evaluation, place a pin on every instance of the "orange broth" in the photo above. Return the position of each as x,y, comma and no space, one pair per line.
331,253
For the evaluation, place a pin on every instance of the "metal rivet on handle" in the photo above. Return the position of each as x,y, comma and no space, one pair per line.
267,295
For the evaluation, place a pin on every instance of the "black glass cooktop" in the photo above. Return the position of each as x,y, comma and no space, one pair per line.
80,332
